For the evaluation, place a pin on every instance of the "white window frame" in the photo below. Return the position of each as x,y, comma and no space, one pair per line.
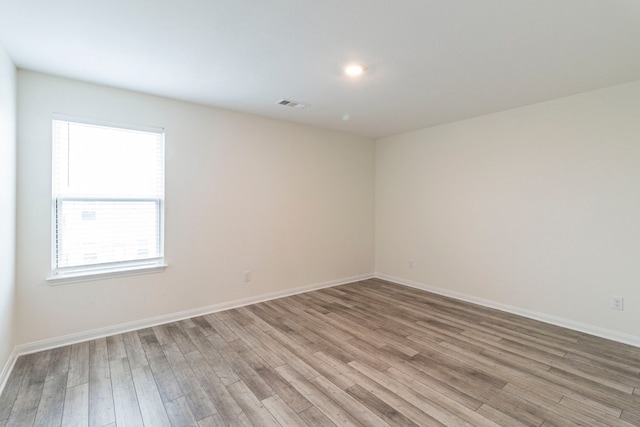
82,273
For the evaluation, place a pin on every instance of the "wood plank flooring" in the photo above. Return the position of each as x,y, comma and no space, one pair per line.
370,353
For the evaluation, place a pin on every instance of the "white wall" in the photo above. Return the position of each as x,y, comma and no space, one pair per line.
7,204
292,204
536,208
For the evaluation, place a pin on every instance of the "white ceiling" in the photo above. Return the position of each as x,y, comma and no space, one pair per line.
428,61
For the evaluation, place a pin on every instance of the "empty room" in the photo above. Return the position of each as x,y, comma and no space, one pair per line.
320,213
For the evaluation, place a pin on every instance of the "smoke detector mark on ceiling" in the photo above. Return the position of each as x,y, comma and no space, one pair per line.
293,104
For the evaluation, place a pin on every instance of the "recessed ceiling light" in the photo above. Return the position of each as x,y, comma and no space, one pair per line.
354,70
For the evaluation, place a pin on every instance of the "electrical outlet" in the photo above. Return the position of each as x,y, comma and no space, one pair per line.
246,276
411,263
617,302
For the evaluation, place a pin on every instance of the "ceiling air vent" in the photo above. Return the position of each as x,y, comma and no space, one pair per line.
290,103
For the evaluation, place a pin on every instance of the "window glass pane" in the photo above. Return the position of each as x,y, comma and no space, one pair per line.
94,232
110,161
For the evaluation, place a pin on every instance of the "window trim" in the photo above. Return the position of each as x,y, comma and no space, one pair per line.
83,273
123,271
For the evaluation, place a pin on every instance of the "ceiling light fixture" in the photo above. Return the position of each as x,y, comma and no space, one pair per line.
354,70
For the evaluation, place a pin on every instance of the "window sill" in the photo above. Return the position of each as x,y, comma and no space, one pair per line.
86,276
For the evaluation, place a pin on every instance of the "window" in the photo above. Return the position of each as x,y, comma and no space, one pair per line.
108,199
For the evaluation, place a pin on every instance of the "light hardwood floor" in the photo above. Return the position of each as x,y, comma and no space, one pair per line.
370,353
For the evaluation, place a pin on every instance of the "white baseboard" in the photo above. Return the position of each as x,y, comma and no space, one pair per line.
8,367
33,347
543,317
50,343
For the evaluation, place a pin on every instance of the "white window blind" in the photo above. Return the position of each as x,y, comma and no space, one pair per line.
108,198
